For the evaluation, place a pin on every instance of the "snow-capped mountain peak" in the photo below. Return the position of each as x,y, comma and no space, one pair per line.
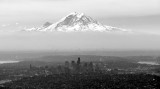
74,22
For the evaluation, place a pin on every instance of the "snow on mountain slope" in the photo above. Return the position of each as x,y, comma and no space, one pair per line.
75,22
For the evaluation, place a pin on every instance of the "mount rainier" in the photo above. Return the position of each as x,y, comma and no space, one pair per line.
75,22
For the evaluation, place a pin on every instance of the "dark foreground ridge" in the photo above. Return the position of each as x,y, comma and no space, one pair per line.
87,81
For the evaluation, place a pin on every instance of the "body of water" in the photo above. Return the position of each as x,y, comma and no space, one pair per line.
3,62
148,63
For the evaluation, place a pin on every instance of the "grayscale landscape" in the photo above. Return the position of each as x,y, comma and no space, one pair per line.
79,44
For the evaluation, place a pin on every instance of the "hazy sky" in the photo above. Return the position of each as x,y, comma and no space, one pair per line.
15,14
137,15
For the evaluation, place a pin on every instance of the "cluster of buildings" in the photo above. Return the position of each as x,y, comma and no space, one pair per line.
80,67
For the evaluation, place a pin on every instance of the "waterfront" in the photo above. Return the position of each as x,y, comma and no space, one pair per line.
3,62
148,63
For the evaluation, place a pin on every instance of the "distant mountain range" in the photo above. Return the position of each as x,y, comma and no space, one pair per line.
75,22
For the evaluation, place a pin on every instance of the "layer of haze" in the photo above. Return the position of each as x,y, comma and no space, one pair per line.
59,41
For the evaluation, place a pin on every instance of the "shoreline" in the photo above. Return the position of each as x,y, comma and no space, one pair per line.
4,62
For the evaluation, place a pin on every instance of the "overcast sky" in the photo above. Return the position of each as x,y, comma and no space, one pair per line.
137,15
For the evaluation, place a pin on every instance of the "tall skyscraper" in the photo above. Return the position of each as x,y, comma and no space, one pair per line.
78,61
73,63
66,68
78,66
30,66
67,64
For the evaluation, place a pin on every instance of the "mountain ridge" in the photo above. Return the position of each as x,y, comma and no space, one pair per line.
76,22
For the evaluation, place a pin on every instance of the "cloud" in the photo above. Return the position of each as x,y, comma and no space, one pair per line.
30,0
94,7
5,25
17,23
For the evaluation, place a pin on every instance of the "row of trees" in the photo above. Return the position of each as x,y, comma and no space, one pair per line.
88,81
